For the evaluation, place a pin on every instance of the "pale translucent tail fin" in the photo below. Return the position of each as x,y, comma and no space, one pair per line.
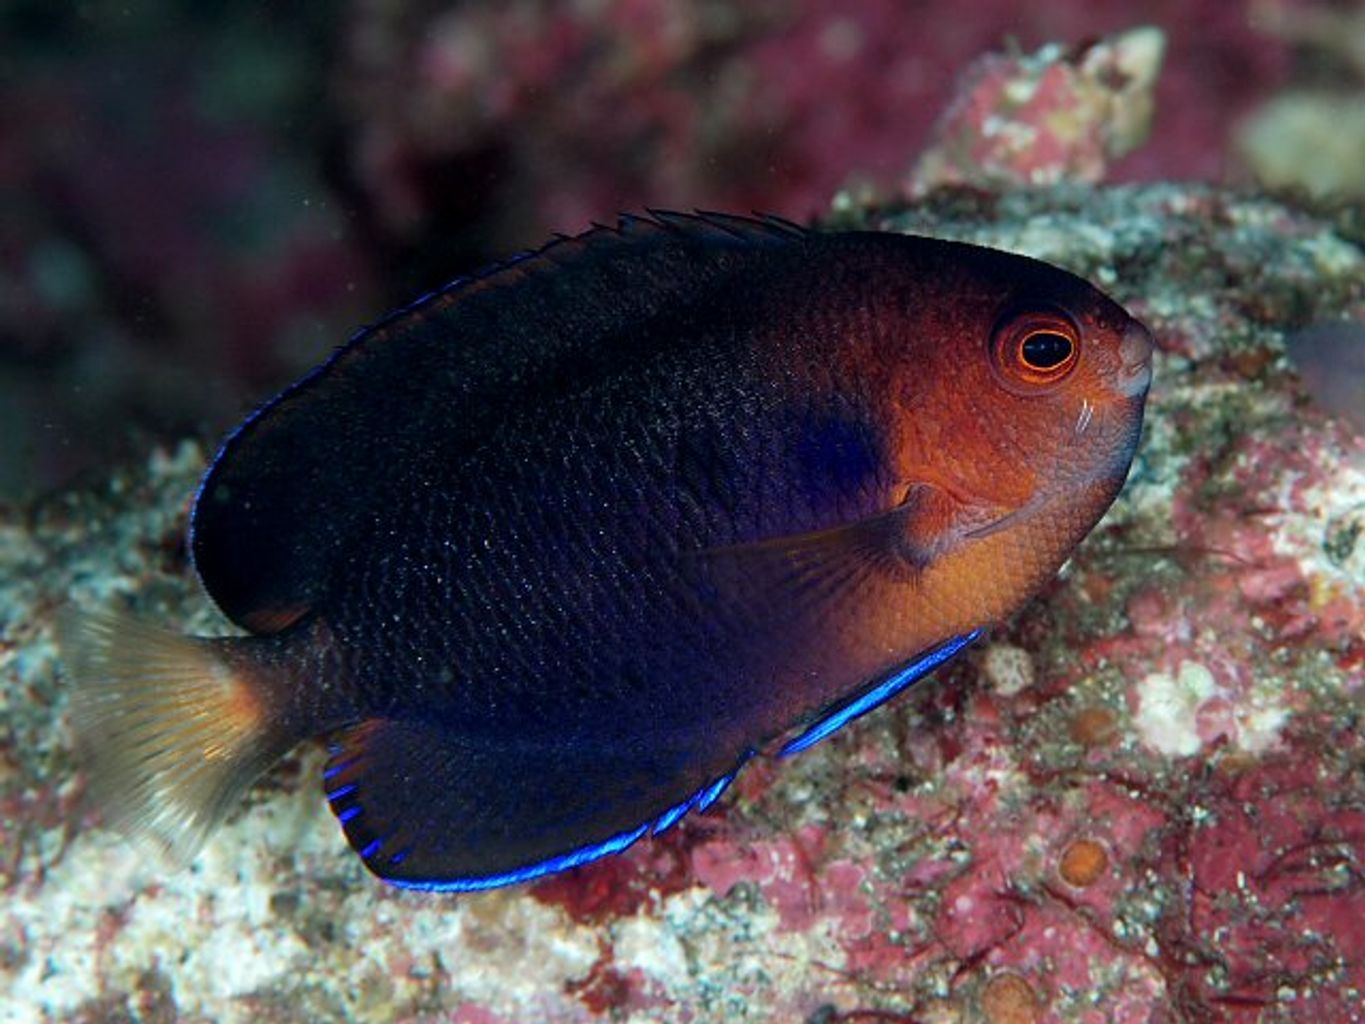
173,729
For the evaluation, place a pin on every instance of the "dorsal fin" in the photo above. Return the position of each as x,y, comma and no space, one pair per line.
291,486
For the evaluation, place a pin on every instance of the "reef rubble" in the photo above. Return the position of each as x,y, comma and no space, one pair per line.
1142,799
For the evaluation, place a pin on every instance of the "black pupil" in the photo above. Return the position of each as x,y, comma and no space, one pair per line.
1046,349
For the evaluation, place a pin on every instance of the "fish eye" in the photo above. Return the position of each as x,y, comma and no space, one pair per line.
1046,350
1036,348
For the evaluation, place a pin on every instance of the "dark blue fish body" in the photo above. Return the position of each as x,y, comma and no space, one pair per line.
550,554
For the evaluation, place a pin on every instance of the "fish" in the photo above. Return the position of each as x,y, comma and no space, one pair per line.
1330,360
547,556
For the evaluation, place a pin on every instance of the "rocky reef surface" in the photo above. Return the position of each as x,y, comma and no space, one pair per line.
1142,799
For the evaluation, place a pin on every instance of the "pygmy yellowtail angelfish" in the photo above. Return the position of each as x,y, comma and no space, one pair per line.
548,555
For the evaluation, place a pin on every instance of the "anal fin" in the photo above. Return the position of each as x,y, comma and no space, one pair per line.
436,807
837,717
698,801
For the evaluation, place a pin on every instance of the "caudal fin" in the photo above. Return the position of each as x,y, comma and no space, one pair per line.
172,728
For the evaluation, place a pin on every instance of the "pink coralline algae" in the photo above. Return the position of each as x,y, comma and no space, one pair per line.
1140,800
1272,853
1057,115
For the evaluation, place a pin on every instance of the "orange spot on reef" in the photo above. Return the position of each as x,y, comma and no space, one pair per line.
1083,862
1009,999
1094,726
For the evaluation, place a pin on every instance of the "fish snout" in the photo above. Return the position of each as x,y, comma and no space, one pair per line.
1135,355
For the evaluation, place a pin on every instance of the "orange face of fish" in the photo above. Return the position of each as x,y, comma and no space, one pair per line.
1015,414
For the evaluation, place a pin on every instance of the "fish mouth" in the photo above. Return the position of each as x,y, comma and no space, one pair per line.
1135,350
1135,380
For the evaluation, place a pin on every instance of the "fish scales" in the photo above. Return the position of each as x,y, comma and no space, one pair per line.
549,555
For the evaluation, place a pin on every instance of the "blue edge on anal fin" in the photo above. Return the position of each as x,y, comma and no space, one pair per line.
698,801
879,694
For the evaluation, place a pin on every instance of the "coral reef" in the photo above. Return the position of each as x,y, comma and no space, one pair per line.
1056,115
1140,800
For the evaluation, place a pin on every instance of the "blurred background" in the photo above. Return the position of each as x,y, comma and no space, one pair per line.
198,200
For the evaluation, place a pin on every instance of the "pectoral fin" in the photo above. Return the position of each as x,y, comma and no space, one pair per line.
811,571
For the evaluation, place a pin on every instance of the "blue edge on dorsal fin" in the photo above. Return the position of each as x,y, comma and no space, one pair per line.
698,801
667,221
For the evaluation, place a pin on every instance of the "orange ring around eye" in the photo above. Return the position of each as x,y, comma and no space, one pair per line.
1036,348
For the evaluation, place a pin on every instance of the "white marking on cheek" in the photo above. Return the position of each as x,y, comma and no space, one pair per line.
1084,419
